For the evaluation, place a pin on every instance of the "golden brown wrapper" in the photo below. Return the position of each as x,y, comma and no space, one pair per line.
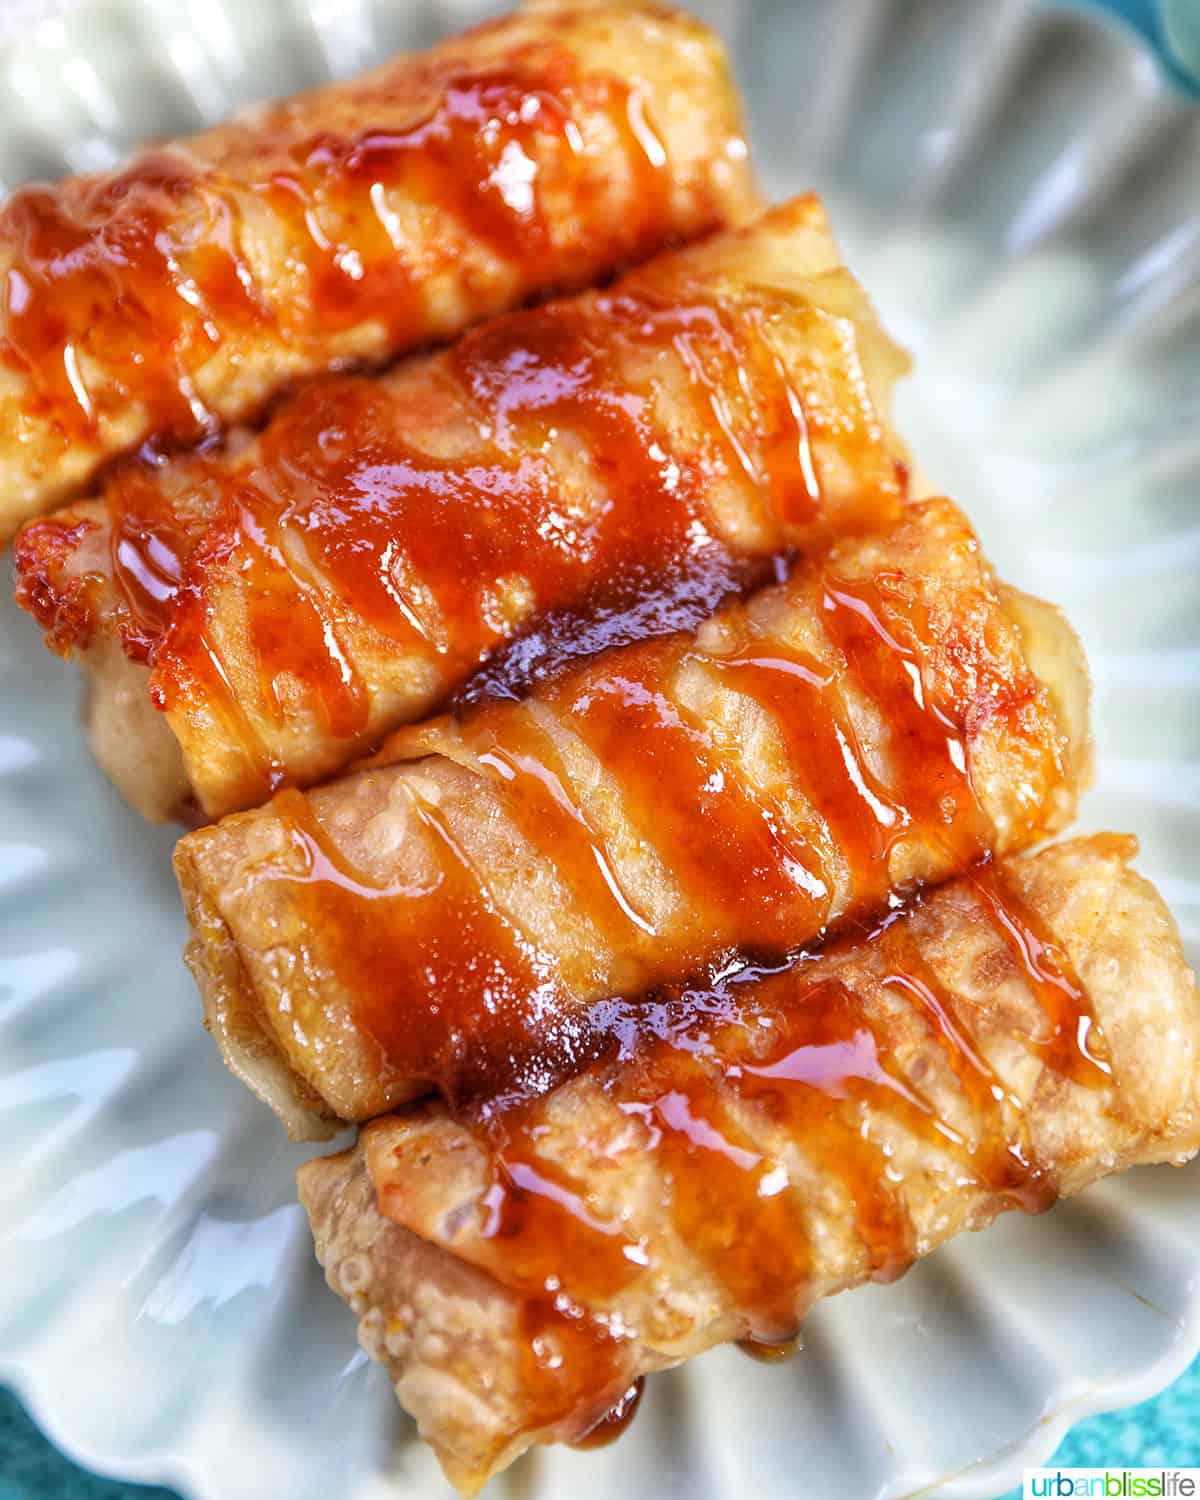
1006,1039
615,463
181,292
444,917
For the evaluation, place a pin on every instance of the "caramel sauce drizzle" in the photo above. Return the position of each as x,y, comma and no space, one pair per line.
443,940
344,536
616,1420
805,1048
97,277
770,1354
1072,1046
880,634
540,800
749,881
712,833
570,1354
142,273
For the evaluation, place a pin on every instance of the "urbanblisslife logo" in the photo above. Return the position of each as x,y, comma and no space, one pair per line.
1111,1484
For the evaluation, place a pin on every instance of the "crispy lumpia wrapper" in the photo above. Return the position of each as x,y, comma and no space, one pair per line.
349,224
939,1080
444,917
619,459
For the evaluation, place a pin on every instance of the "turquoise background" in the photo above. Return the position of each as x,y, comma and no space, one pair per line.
1163,1431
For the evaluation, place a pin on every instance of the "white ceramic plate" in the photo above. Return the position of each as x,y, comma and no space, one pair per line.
1020,191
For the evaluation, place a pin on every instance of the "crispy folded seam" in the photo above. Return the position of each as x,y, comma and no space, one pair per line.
1005,1039
616,462
346,225
444,917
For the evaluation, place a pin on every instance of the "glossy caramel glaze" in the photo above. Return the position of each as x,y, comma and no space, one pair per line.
444,557
752,879
1010,1036
181,291
645,818
95,279
616,1420
100,271
478,974
719,1084
770,1354
565,478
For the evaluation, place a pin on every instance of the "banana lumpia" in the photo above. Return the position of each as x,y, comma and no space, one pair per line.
614,461
733,1154
443,917
179,293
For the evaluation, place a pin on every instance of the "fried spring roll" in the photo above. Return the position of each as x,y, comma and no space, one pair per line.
445,916
348,224
734,1155
620,460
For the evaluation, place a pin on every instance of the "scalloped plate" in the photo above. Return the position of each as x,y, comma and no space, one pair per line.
1018,188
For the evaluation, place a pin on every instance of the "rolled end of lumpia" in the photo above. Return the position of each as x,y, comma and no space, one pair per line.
739,1153
444,917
